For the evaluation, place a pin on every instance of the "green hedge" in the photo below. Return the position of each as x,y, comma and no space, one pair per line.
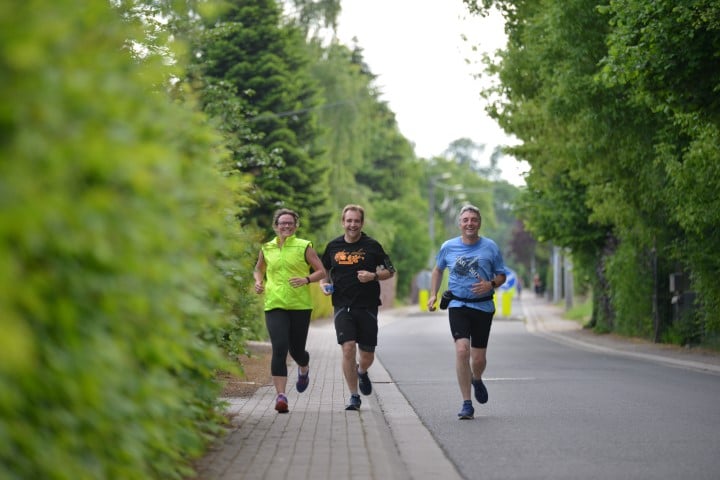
112,214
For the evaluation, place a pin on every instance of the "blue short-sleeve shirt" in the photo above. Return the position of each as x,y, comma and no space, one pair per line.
467,264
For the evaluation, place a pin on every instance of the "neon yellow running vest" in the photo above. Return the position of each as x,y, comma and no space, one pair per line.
283,263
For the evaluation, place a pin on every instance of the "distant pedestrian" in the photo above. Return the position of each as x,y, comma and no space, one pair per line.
518,287
356,264
537,284
283,273
476,269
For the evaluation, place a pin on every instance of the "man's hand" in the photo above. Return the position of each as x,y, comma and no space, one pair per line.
431,304
365,276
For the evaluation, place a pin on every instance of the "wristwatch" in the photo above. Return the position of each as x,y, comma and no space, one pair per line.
494,285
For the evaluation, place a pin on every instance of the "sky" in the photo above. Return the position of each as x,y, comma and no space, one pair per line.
416,49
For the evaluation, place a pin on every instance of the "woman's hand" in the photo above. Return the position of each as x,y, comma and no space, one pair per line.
296,282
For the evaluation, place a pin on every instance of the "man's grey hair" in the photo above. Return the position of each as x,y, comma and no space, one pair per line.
470,208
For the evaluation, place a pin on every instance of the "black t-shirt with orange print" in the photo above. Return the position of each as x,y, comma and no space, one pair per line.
343,260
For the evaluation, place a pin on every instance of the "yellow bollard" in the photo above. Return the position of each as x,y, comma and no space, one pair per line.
506,302
423,296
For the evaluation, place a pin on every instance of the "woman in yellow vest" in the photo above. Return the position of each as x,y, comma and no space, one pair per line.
283,273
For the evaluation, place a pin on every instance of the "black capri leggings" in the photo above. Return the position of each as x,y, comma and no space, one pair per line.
288,330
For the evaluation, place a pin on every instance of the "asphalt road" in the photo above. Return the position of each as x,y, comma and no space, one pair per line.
557,411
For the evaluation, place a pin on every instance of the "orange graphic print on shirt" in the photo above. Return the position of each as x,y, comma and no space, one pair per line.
353,258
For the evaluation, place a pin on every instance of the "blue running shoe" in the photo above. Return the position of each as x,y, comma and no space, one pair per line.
302,381
354,402
481,393
467,412
364,383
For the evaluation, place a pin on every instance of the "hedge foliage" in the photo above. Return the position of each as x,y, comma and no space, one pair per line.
113,214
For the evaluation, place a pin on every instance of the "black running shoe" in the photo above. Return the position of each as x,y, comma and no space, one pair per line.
354,403
364,383
481,393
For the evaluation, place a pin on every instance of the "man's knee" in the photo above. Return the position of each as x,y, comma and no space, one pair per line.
366,348
349,348
479,354
462,347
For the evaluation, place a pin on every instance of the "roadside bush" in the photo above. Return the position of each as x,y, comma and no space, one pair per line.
113,212
631,297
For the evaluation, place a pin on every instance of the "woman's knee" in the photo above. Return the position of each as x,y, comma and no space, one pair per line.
301,357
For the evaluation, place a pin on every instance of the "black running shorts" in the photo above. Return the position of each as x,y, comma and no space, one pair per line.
357,324
466,322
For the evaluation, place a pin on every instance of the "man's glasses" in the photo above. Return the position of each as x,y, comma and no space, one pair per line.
286,224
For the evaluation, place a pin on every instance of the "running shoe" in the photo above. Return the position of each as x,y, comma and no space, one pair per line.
481,393
364,383
281,404
467,412
354,403
302,381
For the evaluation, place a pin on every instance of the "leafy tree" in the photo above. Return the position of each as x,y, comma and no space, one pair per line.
504,198
347,88
613,147
388,167
560,97
465,151
457,184
677,45
315,15
522,248
560,43
263,65
370,162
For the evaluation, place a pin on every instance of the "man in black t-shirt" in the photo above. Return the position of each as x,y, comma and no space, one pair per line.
356,263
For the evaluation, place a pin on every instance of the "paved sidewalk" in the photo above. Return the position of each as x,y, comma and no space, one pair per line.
319,440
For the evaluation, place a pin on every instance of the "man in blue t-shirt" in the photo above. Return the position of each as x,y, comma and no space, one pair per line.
476,269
